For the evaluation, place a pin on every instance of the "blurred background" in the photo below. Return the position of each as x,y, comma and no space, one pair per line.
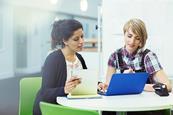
25,27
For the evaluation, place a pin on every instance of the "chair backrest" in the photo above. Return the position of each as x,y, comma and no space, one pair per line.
55,109
28,90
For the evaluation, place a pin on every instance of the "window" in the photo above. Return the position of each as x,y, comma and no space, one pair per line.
1,29
90,33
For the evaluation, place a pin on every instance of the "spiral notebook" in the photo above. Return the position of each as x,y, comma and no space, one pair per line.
88,86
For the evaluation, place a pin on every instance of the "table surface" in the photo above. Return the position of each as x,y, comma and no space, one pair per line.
145,101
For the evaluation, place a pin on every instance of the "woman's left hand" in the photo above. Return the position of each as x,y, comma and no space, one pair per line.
71,84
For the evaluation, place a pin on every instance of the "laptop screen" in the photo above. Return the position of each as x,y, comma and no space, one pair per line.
127,83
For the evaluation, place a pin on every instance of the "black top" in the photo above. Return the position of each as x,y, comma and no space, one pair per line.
54,76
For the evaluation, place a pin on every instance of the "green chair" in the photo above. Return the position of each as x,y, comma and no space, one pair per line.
28,90
55,109
167,112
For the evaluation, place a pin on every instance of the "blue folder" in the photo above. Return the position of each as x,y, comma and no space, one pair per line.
126,83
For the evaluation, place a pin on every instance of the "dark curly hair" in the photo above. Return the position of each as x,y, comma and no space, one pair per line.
62,30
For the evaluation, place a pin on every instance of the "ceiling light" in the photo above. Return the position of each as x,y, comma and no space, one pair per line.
83,5
53,2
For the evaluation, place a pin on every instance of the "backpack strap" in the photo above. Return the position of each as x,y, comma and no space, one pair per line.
146,51
120,62
143,65
120,59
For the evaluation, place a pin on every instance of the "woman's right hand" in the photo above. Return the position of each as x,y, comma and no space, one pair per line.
130,70
71,84
102,87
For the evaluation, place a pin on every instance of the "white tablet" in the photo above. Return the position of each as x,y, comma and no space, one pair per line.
88,85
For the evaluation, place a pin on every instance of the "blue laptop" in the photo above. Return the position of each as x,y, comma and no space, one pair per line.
126,83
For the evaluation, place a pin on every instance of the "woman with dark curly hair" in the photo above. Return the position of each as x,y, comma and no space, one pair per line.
56,73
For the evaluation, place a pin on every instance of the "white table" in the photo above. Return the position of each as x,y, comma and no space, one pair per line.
145,101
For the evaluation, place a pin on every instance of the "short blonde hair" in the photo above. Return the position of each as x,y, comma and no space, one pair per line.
137,26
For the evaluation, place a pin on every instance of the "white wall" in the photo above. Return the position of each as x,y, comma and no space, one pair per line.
158,18
92,61
6,53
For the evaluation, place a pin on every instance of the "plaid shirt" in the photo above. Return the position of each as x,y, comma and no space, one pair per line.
134,61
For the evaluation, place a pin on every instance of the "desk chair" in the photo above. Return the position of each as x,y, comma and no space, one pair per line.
28,91
55,109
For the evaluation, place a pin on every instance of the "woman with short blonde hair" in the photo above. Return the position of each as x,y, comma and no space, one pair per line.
134,58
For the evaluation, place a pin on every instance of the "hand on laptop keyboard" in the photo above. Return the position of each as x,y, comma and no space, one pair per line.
102,87
129,70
